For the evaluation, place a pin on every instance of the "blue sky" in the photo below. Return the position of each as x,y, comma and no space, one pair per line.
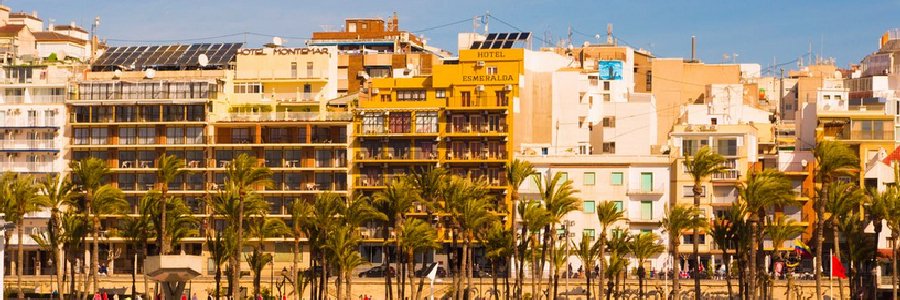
757,31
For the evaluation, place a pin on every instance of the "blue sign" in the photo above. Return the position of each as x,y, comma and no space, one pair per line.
610,70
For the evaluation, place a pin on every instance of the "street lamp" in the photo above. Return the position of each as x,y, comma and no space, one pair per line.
4,227
284,279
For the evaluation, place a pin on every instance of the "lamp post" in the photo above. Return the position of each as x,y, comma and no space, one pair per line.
285,278
4,226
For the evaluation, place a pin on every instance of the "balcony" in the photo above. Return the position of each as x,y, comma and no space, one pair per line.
287,117
136,164
657,190
29,145
475,128
48,99
726,175
186,140
335,186
476,156
27,167
375,181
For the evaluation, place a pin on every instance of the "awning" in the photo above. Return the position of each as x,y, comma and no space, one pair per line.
344,100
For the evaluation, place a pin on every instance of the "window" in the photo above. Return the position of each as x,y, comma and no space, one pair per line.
82,136
646,210
309,69
241,136
98,136
563,177
589,207
440,93
870,129
616,178
646,182
491,70
727,147
400,122
689,239
606,98
175,135
248,88
466,98
126,114
609,122
294,69
827,97
620,206
588,234
127,135
411,95
609,147
590,178
690,147
593,80
688,191
386,98
426,122
606,85
373,123
146,135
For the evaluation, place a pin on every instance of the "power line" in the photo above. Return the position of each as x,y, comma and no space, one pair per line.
444,25
517,28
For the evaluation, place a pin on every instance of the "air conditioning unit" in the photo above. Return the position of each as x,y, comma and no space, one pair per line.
479,88
375,90
508,87
479,63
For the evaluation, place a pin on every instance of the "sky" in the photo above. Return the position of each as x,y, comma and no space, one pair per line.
760,32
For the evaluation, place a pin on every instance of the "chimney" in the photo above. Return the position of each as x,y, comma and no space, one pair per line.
693,48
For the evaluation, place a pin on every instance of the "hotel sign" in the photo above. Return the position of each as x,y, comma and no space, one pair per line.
282,51
488,78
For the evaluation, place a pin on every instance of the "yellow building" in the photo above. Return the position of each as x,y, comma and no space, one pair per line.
458,118
869,132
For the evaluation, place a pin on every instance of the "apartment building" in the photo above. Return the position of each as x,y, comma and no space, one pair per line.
372,48
278,112
138,103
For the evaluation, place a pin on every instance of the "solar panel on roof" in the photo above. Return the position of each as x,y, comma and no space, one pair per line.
167,56
491,36
507,44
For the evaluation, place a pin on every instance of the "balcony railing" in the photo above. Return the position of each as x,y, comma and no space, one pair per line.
470,155
136,164
654,190
287,116
27,144
727,175
308,186
48,99
20,166
475,128
375,181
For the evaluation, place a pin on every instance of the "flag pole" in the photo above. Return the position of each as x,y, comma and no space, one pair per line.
831,274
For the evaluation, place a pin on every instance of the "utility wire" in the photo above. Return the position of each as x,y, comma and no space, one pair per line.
444,25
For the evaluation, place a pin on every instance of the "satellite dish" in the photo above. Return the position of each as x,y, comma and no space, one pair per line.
277,41
149,73
203,60
117,73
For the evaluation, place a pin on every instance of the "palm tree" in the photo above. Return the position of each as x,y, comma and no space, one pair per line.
300,212
588,253
702,164
416,236
619,246
761,191
878,207
468,206
725,233
678,219
169,168
341,245
56,191
889,203
779,230
833,159
516,172
534,218
227,204
134,231
498,247
21,199
73,230
220,245
395,201
859,248
429,183
98,199
261,228
559,198
244,175
839,200
607,214
644,246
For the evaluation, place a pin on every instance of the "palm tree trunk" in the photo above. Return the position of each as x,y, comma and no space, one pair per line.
820,232
534,273
676,271
602,270
727,275
348,275
236,256
20,256
399,269
894,266
640,280
218,279
337,284
295,265
464,270
161,237
543,260
554,269
515,255
386,261
837,252
95,257
324,283
59,261
520,271
696,256
143,257
494,279
589,273
410,275
752,281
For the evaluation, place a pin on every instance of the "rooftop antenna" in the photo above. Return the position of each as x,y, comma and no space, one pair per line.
609,30
569,37
484,20
693,48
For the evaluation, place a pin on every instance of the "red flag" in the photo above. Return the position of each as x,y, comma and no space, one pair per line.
837,269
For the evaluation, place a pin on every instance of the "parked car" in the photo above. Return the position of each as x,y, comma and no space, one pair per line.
378,271
441,272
